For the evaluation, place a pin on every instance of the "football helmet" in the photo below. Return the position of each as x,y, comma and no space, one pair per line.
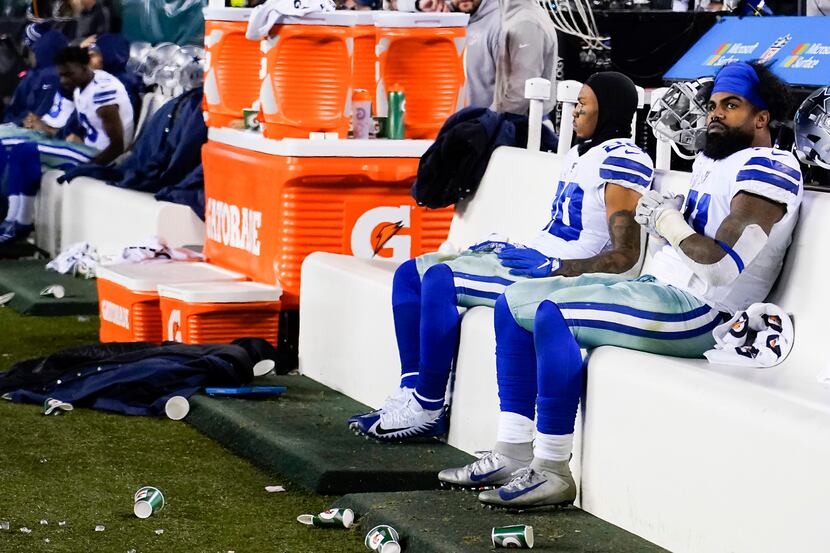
812,129
680,115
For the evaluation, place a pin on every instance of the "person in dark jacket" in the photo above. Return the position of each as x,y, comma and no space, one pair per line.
36,92
111,52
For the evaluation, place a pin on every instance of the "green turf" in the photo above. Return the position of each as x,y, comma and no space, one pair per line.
26,278
84,467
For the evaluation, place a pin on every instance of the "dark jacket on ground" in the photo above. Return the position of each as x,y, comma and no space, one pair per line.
133,378
36,92
452,167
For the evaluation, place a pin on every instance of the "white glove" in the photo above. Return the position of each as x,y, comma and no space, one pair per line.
652,204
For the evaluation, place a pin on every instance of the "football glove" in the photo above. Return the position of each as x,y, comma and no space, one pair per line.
528,262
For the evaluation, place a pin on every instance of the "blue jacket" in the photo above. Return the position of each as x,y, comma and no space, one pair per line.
133,378
453,165
115,51
36,92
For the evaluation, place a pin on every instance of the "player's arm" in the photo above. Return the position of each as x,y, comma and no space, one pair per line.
624,231
111,122
738,241
34,122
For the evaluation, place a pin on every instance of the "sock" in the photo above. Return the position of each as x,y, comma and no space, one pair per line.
560,374
515,364
14,203
522,452
553,447
26,210
24,179
514,428
439,335
406,311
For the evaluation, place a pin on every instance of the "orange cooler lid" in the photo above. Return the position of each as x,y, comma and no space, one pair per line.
336,19
405,19
145,277
220,292
227,14
304,147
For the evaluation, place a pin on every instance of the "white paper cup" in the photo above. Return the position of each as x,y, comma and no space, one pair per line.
177,408
264,367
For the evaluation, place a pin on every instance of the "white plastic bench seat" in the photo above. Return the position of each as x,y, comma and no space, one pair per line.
692,456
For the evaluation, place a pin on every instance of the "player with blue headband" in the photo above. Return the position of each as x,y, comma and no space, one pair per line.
722,250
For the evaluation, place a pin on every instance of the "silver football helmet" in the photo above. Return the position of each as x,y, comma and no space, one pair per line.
680,115
812,129
159,56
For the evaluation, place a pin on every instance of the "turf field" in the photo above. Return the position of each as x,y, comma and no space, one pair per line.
83,468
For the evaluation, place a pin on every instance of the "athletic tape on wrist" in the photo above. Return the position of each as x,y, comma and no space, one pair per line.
673,227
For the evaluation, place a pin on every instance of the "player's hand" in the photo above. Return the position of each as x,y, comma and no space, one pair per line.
30,121
651,205
528,262
75,138
432,6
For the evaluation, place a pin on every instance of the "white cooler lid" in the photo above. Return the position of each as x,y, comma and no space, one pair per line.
145,277
304,147
338,19
220,292
227,14
407,19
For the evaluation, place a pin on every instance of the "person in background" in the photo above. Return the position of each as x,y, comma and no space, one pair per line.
527,49
36,92
106,114
92,19
111,52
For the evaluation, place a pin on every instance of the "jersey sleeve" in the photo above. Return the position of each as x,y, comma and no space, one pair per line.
106,94
772,174
60,112
628,166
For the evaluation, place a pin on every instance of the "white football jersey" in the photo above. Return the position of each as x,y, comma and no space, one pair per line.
58,115
578,228
766,172
103,90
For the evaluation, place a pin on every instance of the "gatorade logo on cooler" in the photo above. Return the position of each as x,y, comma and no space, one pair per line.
379,229
115,314
174,326
234,227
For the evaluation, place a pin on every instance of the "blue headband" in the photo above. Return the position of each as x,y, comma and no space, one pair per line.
741,79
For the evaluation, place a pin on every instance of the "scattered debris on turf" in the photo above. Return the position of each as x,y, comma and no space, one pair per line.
26,530
62,523
4,525
148,500
337,518
44,522
274,489
100,528
160,531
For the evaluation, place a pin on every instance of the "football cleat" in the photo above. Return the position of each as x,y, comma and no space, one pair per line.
534,486
492,469
396,400
406,422
15,232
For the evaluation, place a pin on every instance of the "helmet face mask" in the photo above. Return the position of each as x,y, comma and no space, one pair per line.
680,115
812,129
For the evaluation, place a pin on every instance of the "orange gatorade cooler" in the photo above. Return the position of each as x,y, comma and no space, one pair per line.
232,65
270,203
219,312
128,301
363,64
423,53
306,86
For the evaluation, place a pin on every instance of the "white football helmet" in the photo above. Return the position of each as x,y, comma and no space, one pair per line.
812,129
680,115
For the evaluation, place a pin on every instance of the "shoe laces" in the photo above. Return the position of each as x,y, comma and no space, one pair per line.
521,478
397,399
485,456
400,416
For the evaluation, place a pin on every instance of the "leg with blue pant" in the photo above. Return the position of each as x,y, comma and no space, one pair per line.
426,295
23,170
516,376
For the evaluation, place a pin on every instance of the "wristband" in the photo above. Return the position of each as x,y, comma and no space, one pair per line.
673,227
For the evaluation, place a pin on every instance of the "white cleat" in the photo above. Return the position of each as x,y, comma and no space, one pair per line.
396,400
406,422
492,469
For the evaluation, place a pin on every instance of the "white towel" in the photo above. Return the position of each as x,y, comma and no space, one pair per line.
266,15
152,248
762,336
79,259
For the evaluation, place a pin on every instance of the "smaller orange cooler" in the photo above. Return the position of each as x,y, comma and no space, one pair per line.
128,302
308,71
219,312
232,65
424,54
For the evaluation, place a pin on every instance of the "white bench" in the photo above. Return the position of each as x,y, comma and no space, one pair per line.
692,456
